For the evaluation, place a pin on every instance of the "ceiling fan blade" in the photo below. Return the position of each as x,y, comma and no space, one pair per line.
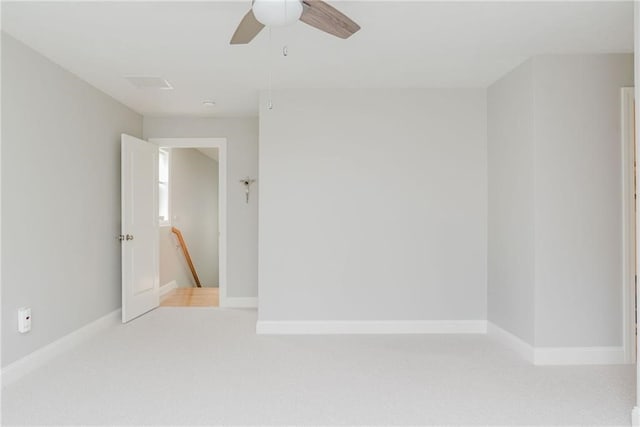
248,28
326,18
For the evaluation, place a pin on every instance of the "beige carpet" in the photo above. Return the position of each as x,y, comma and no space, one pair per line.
206,366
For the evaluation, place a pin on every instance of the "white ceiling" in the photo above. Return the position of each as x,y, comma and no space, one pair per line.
210,152
401,45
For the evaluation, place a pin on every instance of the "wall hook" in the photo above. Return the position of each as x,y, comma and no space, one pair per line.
247,184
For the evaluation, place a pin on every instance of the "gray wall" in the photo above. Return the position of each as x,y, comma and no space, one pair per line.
511,243
373,205
60,199
242,218
194,210
578,198
554,134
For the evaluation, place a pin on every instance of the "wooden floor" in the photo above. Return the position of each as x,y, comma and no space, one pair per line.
191,297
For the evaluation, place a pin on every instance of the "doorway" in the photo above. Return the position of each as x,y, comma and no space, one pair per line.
192,221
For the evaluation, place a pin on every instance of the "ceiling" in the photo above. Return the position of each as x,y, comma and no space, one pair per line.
210,152
401,45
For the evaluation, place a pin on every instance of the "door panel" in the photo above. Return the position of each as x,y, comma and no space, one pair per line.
140,277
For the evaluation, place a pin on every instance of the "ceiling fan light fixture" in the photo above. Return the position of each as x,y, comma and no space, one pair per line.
277,13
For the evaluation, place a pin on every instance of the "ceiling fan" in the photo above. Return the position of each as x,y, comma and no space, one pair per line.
274,13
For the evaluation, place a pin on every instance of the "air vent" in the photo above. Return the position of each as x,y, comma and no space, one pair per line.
149,82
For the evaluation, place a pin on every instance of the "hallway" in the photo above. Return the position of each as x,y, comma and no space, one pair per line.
191,297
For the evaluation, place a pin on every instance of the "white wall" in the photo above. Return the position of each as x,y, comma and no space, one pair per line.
173,266
373,205
242,218
60,199
636,59
510,296
554,134
194,210
578,198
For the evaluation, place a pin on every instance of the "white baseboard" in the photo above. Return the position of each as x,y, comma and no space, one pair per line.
32,361
579,355
372,327
558,355
517,344
239,302
166,288
635,416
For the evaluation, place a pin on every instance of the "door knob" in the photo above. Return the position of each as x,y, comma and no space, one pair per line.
129,237
121,237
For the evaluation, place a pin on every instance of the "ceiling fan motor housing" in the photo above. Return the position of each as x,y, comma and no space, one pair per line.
277,13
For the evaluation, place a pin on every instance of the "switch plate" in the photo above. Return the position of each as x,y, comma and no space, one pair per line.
24,320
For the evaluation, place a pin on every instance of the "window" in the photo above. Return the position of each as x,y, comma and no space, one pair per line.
163,187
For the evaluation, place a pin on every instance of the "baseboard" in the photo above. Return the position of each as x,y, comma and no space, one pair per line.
517,344
166,288
542,356
372,327
579,355
32,361
635,416
239,302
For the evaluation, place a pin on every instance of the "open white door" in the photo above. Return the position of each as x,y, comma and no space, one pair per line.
140,281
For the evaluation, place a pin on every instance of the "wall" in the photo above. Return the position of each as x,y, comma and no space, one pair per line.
510,296
194,210
635,415
242,218
567,108
578,198
172,263
373,205
60,199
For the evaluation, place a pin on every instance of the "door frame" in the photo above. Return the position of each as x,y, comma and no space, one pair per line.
628,152
221,145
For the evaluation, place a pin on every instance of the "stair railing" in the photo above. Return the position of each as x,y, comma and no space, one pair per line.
185,251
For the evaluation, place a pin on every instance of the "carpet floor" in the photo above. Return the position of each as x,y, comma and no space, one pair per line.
206,366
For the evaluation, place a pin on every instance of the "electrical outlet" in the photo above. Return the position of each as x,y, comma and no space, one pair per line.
24,320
